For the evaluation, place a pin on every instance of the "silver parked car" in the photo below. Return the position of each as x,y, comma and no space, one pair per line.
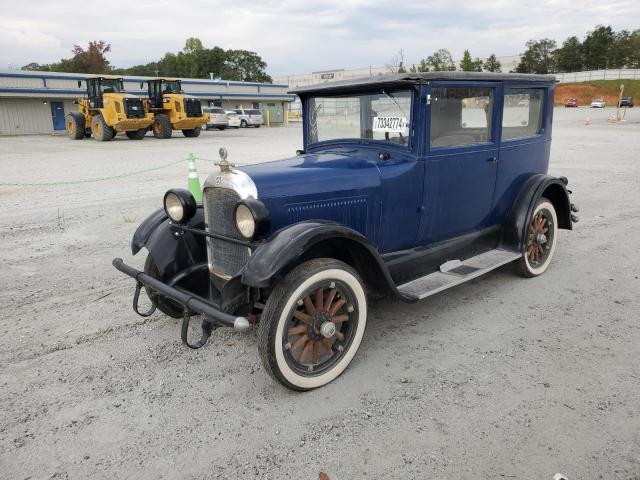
217,118
234,121
250,117
598,103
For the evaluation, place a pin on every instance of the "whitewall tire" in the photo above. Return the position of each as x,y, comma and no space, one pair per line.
312,324
540,240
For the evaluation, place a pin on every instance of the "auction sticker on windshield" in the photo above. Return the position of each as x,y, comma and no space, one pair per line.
389,124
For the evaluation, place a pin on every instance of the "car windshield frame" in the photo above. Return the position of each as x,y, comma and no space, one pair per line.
393,97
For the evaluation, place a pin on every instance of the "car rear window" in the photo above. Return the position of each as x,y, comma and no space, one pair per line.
254,112
522,112
217,110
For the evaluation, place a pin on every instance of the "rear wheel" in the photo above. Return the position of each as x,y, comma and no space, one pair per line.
165,305
221,128
193,132
162,126
243,124
75,125
312,324
137,134
257,126
540,240
100,130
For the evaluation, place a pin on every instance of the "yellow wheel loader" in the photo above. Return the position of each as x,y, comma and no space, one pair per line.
173,110
108,110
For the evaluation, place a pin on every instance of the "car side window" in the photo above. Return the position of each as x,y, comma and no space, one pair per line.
522,112
461,116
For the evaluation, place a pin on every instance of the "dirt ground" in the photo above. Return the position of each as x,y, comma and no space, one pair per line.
503,377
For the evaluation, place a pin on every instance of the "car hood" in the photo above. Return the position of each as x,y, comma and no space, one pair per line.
337,187
311,175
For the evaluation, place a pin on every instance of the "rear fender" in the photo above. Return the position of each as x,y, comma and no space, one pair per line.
534,188
171,253
304,241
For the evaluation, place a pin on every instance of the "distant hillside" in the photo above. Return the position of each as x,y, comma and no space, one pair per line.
585,92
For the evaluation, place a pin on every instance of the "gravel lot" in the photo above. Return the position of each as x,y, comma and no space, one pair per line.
500,378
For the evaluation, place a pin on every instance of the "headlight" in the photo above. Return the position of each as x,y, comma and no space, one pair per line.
252,218
179,205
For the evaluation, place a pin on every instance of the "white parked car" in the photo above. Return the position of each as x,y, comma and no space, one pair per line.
234,121
250,117
598,103
217,118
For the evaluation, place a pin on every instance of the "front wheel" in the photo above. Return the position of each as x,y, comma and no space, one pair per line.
243,124
312,324
540,240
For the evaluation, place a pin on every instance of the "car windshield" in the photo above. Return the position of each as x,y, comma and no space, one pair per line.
110,85
171,87
383,116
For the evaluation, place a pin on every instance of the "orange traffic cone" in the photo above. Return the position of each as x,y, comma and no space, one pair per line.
587,121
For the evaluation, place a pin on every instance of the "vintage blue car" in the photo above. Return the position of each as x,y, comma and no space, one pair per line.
408,184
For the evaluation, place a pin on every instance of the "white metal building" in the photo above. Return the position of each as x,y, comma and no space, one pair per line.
37,102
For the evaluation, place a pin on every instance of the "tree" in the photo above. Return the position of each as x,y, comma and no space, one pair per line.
492,64
396,64
597,46
467,64
633,58
538,58
423,66
244,65
92,60
569,57
441,61
37,67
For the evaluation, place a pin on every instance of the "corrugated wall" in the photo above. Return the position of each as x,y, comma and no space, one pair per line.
20,116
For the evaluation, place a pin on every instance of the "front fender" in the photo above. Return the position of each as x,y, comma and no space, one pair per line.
171,253
312,239
536,186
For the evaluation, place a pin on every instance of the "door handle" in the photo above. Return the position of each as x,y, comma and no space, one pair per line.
493,160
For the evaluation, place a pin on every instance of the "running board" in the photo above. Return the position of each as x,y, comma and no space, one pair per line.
455,272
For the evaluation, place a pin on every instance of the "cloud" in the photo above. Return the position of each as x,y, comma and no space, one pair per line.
298,36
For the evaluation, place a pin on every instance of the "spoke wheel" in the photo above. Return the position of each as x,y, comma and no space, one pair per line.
312,324
319,328
540,240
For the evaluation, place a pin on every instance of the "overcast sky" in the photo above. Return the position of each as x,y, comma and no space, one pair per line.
297,36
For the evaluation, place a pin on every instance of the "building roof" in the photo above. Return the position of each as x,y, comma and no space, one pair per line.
393,79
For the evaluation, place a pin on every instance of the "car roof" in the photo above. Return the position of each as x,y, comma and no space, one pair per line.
405,79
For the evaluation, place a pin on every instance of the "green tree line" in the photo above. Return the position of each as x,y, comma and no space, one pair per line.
602,48
193,61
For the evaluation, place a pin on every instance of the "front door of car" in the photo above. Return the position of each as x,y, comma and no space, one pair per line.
461,158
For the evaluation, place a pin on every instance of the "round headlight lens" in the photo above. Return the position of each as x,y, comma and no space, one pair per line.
244,221
173,206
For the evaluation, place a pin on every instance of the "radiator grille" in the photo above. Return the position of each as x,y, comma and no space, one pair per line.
225,258
133,108
192,107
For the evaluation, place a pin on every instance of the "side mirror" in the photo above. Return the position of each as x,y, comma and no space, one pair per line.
79,83
141,85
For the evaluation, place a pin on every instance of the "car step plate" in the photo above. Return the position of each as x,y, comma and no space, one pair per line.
455,272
